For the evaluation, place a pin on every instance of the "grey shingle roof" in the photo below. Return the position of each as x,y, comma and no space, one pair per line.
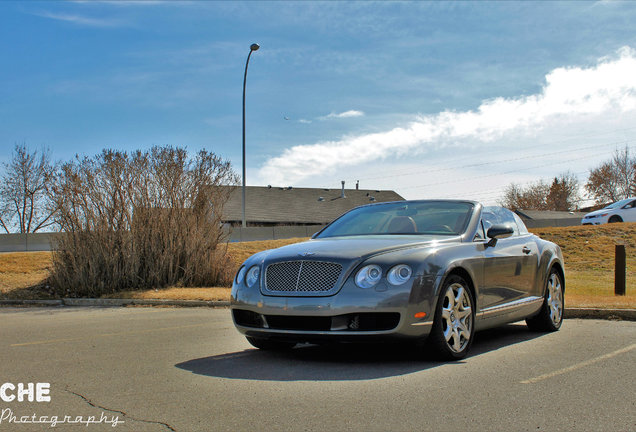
298,205
546,214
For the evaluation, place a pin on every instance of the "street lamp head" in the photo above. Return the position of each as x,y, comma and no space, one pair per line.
255,47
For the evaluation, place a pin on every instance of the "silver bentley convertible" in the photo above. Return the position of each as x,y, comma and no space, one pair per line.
430,272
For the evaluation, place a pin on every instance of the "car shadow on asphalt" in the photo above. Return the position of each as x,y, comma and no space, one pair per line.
339,362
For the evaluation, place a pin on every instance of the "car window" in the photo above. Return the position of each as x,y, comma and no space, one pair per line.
618,204
522,226
411,218
492,215
481,232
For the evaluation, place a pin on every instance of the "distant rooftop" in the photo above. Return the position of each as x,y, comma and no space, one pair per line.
547,214
290,205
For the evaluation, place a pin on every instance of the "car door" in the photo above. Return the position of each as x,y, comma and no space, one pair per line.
628,212
510,265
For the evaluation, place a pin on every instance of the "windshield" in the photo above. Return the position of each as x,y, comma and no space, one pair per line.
412,218
618,204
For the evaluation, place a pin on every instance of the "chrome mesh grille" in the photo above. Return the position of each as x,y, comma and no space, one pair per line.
302,276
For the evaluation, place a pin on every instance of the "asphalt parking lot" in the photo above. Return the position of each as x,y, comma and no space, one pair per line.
162,369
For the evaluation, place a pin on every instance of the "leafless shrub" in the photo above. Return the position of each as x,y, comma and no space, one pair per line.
141,220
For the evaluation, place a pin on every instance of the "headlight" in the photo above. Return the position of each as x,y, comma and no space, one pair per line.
240,275
368,276
252,276
399,274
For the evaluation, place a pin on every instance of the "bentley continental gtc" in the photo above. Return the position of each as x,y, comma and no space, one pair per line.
429,273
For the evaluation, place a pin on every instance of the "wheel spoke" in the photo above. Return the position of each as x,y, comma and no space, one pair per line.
459,299
464,312
451,299
448,333
464,330
456,341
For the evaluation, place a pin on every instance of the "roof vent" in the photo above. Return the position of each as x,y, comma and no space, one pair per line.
372,198
289,188
269,186
321,198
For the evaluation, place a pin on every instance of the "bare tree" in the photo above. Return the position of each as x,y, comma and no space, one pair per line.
561,195
532,197
24,202
564,193
613,180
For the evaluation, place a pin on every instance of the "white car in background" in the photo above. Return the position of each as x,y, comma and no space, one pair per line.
620,211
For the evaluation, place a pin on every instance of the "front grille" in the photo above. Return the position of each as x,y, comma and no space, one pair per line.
302,276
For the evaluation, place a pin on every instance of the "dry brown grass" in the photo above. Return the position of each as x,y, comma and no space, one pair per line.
588,253
239,252
176,293
24,274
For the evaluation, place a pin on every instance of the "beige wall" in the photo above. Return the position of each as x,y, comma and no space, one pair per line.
42,241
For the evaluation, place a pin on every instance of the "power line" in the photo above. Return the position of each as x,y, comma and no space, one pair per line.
473,165
500,173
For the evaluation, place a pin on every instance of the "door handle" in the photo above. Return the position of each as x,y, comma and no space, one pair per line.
526,250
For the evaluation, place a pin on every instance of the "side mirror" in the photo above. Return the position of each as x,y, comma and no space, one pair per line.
496,232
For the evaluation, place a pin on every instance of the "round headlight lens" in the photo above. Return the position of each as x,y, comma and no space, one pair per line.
399,274
368,276
252,276
240,275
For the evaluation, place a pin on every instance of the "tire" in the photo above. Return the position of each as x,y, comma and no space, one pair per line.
454,323
270,345
550,317
615,219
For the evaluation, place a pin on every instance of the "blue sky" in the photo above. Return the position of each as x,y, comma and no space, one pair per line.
429,99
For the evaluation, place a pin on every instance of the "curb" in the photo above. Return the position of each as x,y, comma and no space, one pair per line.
581,313
608,314
97,302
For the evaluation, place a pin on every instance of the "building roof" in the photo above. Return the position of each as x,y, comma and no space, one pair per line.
547,214
264,204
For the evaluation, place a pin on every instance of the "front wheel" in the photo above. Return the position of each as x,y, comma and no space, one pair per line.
269,344
615,219
550,316
454,322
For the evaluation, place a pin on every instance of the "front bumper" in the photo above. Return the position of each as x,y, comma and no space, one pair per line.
353,314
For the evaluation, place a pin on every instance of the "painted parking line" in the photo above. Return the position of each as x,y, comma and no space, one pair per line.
52,341
579,365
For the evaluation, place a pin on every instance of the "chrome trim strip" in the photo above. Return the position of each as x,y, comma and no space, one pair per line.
422,323
512,305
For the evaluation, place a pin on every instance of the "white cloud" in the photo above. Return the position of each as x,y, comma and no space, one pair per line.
569,95
80,19
345,114
304,121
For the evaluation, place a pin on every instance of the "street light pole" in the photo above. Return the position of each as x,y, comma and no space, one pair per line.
253,48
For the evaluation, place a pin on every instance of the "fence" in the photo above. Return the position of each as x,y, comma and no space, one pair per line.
42,241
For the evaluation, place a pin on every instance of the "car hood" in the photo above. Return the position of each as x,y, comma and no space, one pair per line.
599,212
354,247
